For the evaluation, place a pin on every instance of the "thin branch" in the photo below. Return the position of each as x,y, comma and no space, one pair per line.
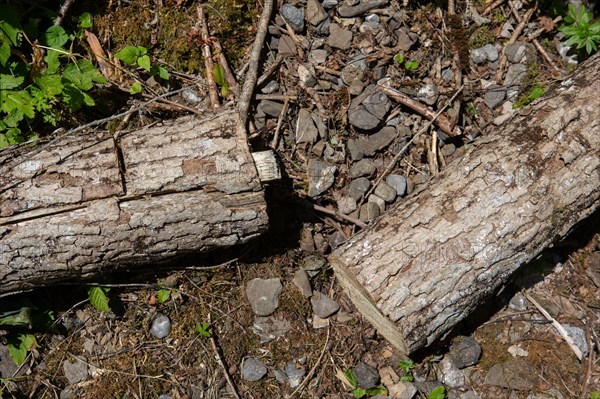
312,370
229,76
208,62
252,74
213,343
64,8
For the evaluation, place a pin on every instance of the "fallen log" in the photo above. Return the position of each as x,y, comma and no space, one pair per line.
85,204
426,265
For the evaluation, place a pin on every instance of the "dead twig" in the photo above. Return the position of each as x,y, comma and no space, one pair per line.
312,370
208,61
213,343
490,7
590,363
252,74
64,8
558,327
275,141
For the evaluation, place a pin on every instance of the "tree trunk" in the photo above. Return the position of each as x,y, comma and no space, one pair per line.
426,265
83,204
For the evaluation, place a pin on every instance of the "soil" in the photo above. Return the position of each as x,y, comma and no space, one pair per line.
122,359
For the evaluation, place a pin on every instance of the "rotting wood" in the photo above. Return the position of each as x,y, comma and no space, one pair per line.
95,202
429,262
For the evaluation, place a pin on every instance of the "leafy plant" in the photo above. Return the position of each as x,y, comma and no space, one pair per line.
19,344
595,395
409,66
42,83
406,366
360,392
138,56
579,31
437,393
202,329
98,298
536,92
219,75
163,295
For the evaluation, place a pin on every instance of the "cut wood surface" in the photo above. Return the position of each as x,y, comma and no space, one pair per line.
426,265
83,204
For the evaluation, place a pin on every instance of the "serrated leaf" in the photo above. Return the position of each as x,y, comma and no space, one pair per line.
85,20
50,85
202,329
13,118
10,28
359,392
136,88
98,298
3,141
52,61
144,62
163,73
437,393
399,58
4,53
17,354
56,36
163,295
8,82
128,55
82,74
19,100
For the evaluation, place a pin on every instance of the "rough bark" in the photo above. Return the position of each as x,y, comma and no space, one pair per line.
427,264
84,204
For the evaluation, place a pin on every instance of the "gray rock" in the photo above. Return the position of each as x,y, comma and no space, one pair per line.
448,74
450,375
428,94
405,39
491,52
386,192
518,302
253,369
514,374
319,56
494,96
378,141
366,375
263,295
321,176
280,375
339,37
295,373
68,393
355,150
465,351
191,96
448,149
346,205
514,79
286,46
361,8
293,16
552,393
380,202
161,326
269,328
313,264
76,370
302,282
270,88
358,187
330,3
578,336
478,56
369,212
315,14
364,167
398,182
271,108
367,110
356,87
164,396
322,305
352,72
306,76
306,131
515,52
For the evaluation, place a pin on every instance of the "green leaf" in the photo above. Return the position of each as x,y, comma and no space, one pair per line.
136,88
20,317
219,75
351,378
85,20
595,395
13,118
8,82
4,53
10,28
14,136
411,65
406,365
3,141
144,62
359,392
399,58
202,329
163,73
437,393
19,100
19,345
52,61
98,298
378,390
56,36
129,54
82,74
50,85
163,295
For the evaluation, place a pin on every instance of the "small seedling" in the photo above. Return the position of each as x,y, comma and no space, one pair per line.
202,329
536,92
579,31
98,298
19,345
360,392
437,393
163,295
406,366
409,66
138,56
595,395
219,75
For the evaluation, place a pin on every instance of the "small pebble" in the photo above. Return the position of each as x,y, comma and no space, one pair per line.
253,369
161,326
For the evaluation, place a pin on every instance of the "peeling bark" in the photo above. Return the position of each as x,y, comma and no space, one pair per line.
427,264
82,205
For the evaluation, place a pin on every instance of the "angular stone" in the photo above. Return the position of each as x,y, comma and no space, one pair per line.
369,212
271,108
75,371
398,182
321,176
355,150
302,282
295,373
386,192
465,351
346,205
339,37
358,187
380,202
270,328
368,110
366,375
293,16
315,14
361,8
494,96
364,167
306,76
306,131
514,374
263,295
286,46
451,376
378,141
253,369
322,305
